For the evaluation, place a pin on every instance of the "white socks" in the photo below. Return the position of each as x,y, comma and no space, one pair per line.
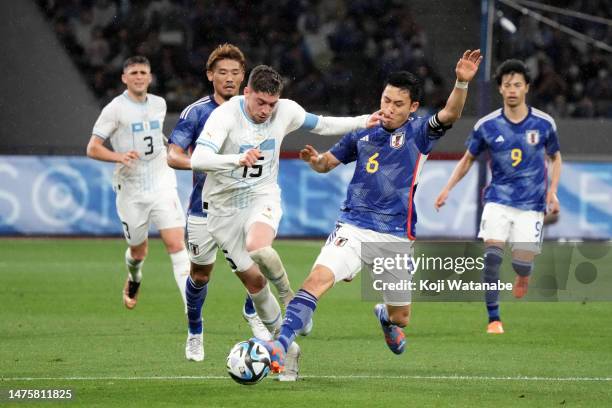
134,267
180,268
272,268
267,309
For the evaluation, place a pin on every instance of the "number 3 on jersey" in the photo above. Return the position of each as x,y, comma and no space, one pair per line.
517,157
372,165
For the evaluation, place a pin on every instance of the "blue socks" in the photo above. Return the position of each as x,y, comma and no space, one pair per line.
195,300
298,314
522,268
493,258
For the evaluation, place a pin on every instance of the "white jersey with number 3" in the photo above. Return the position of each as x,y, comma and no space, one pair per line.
132,125
230,131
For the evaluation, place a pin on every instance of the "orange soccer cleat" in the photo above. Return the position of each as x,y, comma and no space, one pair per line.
521,284
495,327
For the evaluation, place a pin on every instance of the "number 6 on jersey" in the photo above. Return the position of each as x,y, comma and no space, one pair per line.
372,166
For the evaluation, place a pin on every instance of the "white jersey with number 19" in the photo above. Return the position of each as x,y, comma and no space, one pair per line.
131,125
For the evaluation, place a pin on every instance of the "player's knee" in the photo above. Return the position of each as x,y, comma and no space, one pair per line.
200,274
522,268
139,253
175,246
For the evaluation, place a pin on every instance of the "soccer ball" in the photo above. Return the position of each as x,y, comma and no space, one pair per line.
248,362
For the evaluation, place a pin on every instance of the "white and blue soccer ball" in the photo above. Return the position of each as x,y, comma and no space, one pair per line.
248,362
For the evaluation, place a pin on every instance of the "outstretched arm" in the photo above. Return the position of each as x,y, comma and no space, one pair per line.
321,163
459,172
466,69
552,202
330,125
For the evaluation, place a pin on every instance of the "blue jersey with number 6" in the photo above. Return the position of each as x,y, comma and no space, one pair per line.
517,153
380,196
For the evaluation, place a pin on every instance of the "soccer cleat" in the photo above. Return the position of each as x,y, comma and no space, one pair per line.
521,283
194,349
495,327
130,293
394,335
292,361
257,327
277,354
305,331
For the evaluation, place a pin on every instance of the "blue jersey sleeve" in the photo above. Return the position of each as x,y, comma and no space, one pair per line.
185,131
345,149
475,143
427,133
552,142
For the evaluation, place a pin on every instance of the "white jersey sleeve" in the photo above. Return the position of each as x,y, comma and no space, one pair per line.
107,122
216,130
322,125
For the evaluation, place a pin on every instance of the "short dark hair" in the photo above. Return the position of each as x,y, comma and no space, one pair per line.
225,51
407,81
512,66
264,78
136,59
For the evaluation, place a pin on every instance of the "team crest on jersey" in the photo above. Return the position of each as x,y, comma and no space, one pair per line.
340,241
533,137
397,140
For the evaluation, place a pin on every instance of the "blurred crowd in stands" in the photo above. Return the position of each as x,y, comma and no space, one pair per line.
323,48
570,77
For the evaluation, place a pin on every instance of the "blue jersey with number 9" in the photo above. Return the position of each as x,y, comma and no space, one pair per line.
517,157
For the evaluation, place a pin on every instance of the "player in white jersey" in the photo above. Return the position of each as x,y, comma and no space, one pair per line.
144,184
239,148
225,69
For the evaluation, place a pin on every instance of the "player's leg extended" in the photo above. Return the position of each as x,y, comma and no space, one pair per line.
265,303
259,244
393,318
196,289
173,239
297,316
493,257
134,258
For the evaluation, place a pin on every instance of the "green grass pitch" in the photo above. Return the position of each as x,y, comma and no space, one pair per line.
62,325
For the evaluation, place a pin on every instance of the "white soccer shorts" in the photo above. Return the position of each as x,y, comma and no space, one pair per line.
342,254
137,211
229,232
200,244
521,228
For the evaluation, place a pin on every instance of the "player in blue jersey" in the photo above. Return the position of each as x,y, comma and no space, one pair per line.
225,69
518,139
379,207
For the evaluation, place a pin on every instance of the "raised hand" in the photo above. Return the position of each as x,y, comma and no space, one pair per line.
467,66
